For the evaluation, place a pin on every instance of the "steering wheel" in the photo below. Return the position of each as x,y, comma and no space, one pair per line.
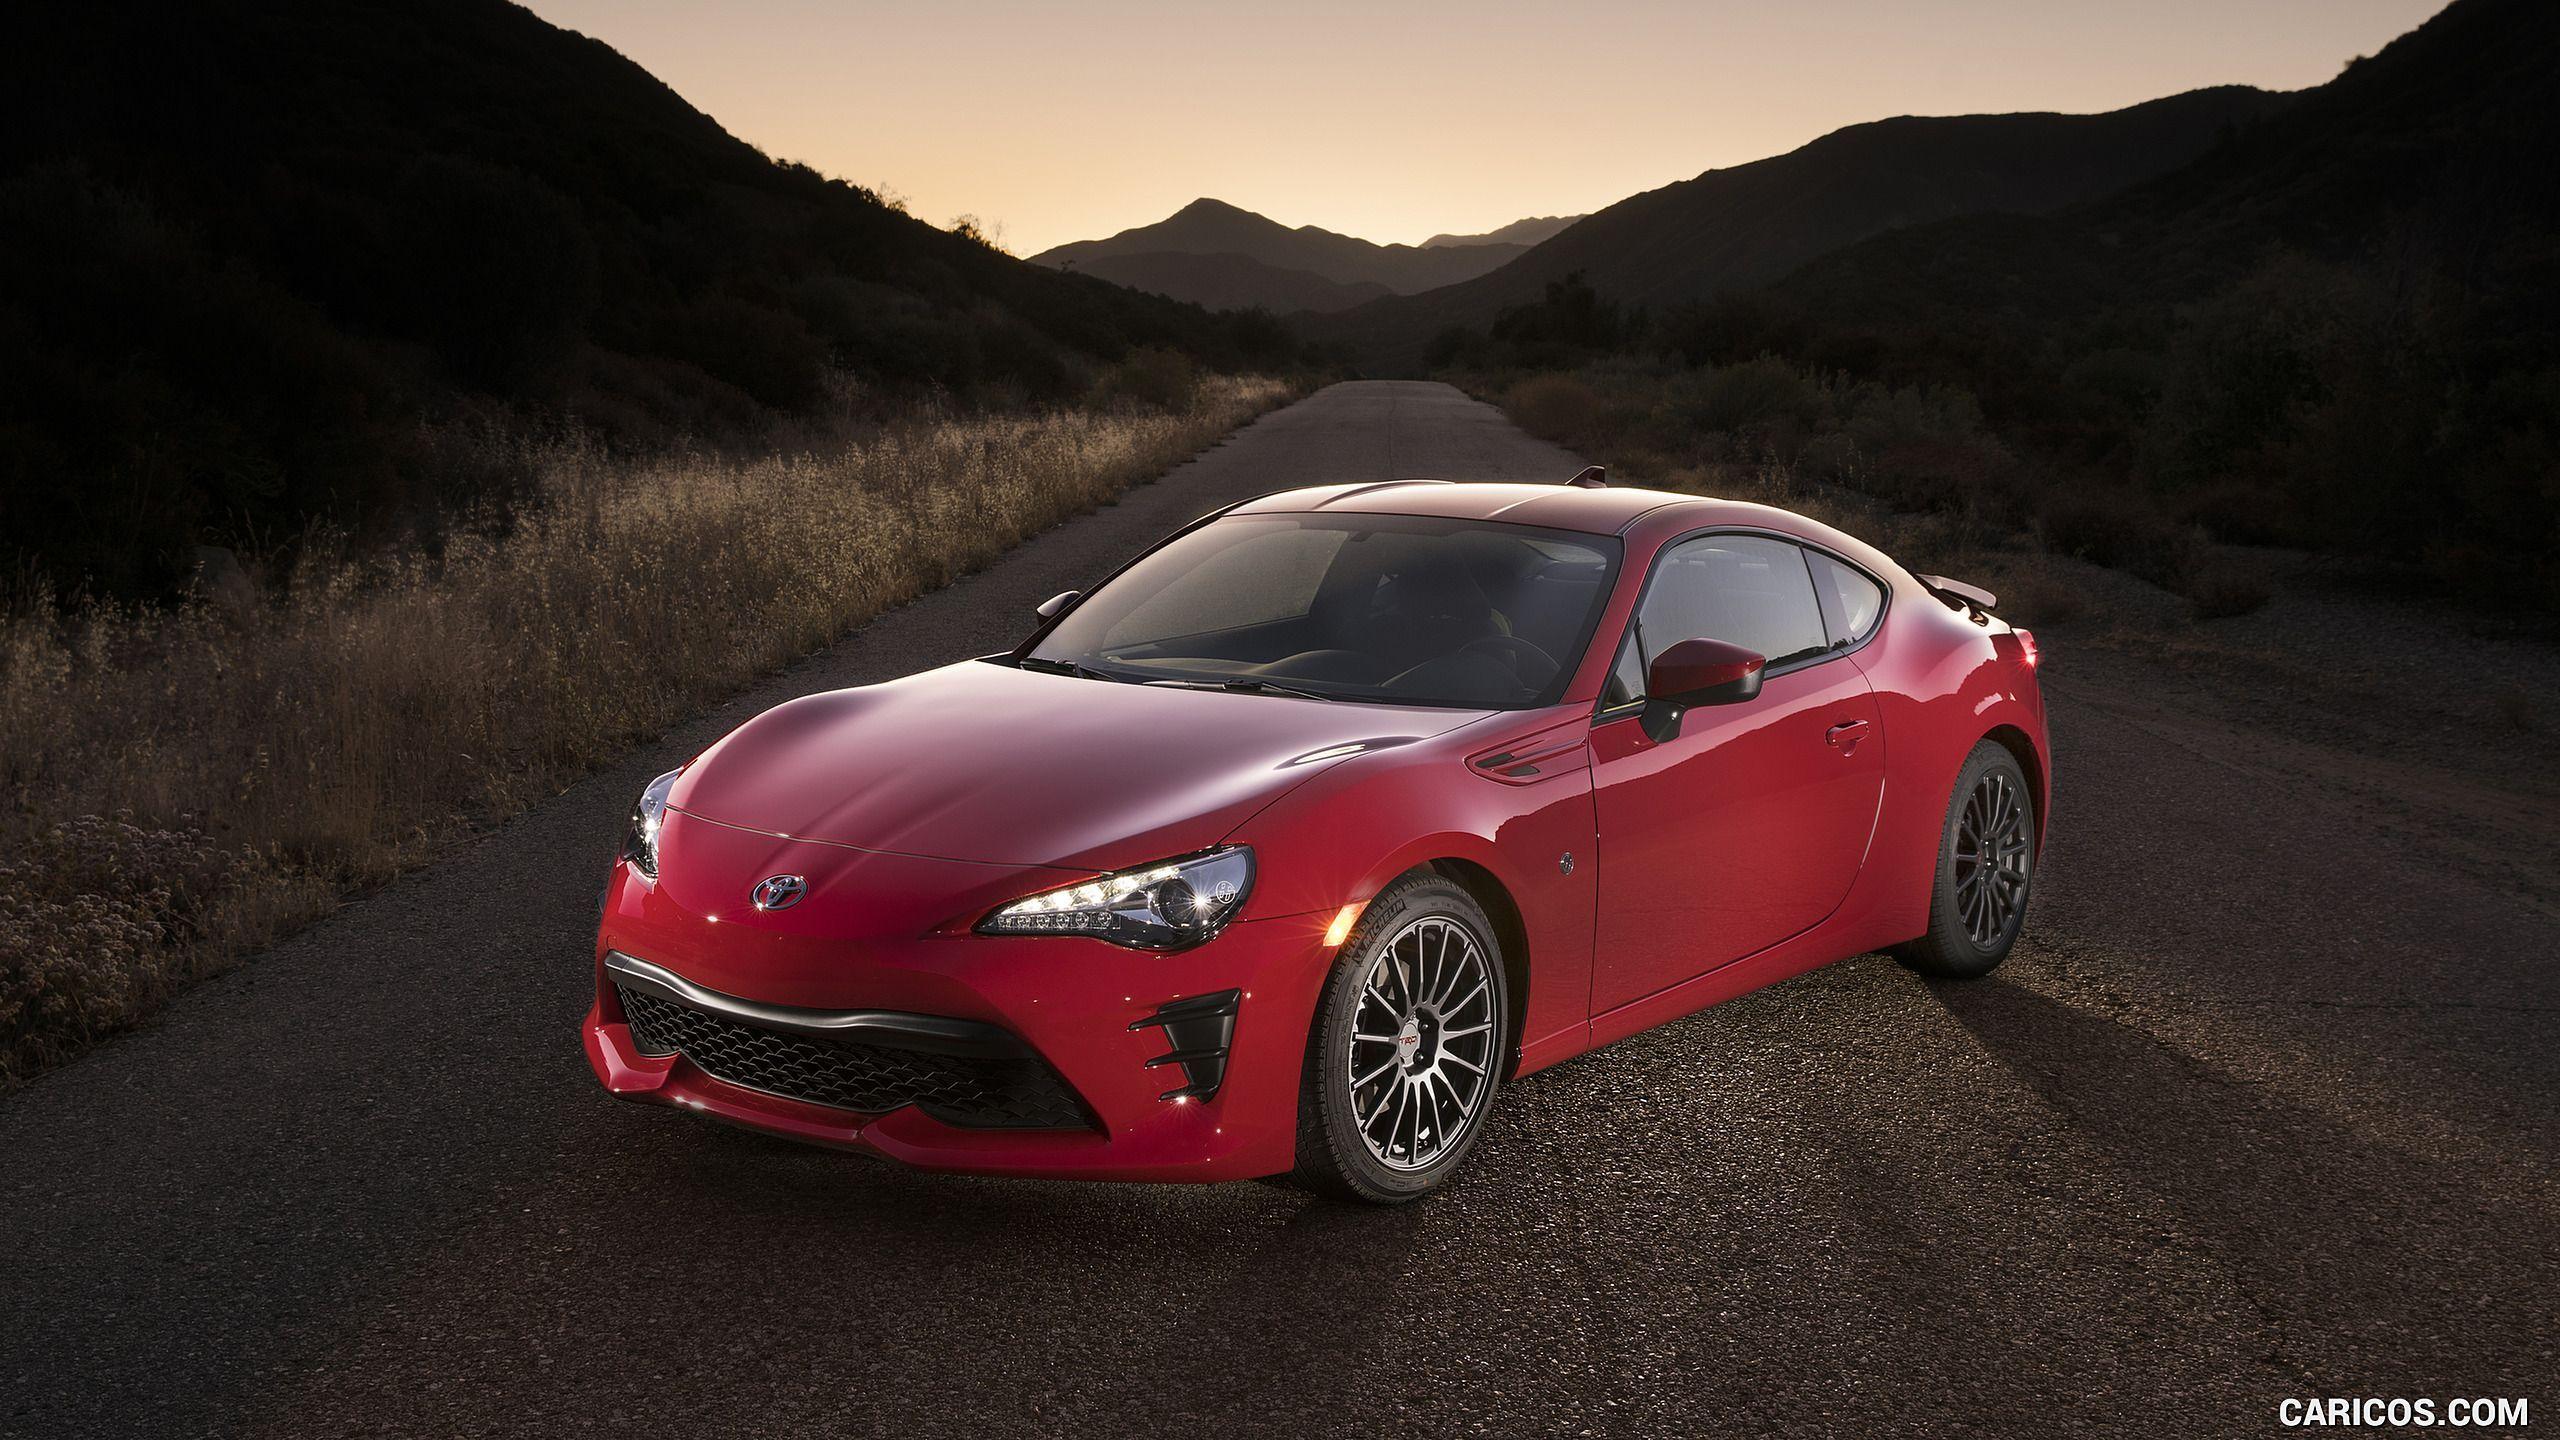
1534,666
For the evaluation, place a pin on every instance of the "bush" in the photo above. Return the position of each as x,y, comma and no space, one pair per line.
2121,529
1755,392
1554,407
1163,379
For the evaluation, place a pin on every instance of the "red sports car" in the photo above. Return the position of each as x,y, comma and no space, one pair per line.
1291,844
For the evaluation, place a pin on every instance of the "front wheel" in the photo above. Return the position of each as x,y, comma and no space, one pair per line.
1406,1054
1986,863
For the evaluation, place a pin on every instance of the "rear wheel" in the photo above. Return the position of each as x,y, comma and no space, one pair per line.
1986,865
1406,1054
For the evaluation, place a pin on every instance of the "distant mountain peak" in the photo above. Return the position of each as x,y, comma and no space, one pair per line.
1209,207
1222,255
1748,224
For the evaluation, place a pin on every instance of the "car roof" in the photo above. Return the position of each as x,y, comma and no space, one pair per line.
1598,511
1611,510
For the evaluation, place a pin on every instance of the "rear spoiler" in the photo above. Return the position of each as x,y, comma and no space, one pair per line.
1958,593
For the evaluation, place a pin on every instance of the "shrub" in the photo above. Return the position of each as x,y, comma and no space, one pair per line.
1554,407
2118,528
1755,392
1163,379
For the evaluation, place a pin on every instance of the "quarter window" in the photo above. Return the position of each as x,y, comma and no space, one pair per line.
1851,602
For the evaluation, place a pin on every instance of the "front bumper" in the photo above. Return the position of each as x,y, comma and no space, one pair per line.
1149,1099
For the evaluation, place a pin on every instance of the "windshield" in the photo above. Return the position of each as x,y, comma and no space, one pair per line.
1405,609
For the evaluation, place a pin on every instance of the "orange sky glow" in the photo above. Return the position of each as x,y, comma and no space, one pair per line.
1062,122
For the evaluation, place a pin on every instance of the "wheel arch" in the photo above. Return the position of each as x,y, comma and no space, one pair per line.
1511,936
2023,749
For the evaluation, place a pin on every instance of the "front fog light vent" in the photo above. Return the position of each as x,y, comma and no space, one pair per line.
1201,1030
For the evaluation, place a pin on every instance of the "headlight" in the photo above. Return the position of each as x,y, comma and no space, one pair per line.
1170,905
640,837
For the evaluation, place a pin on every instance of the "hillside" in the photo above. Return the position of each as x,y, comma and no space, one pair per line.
1750,224
1229,282
2341,330
1215,228
1534,230
282,246
2336,330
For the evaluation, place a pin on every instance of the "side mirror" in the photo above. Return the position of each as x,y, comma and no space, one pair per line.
1697,672
1048,609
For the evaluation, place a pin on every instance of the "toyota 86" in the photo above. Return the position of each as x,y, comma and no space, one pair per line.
1291,844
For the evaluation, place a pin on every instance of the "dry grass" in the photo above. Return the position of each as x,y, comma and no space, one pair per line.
184,785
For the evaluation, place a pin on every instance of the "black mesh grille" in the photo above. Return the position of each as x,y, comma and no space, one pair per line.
984,1093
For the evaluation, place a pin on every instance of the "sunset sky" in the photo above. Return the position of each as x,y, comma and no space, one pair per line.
1063,122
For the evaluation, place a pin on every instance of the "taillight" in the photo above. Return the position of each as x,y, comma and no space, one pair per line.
2027,647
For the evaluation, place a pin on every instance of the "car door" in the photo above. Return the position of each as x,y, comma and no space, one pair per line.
1748,825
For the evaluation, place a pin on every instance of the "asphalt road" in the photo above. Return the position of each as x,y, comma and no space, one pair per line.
2264,1105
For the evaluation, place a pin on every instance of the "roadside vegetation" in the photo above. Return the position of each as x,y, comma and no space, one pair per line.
181,783
2336,332
1909,468
2247,430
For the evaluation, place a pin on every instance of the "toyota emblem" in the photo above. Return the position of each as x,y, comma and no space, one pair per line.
779,892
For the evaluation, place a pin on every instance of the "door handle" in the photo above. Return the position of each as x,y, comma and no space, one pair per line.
1846,733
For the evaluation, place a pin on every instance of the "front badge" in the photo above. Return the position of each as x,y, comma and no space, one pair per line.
779,892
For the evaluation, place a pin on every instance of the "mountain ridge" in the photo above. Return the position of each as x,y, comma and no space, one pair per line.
1744,225
1533,230
1212,227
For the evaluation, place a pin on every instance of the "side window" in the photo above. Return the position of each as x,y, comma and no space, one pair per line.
1851,602
1737,588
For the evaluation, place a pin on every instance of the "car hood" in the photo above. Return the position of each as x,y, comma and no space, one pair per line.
984,762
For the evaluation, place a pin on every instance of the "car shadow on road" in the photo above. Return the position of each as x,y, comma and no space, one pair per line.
2371,1264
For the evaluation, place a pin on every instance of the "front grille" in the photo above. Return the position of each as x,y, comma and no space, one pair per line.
987,1093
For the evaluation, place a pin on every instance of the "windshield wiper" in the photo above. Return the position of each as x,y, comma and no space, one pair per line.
1047,666
1248,685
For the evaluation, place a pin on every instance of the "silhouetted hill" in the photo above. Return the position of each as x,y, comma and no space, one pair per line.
1213,227
1750,224
2341,327
252,247
1229,282
2441,146
2338,328
1532,231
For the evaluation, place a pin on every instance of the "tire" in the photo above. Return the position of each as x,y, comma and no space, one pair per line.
1973,923
1427,1091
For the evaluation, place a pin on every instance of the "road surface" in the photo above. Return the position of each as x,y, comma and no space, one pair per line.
2263,1106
